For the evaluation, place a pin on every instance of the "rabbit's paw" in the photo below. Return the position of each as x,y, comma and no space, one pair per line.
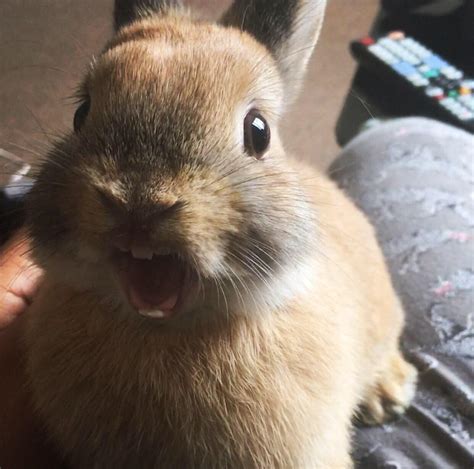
392,393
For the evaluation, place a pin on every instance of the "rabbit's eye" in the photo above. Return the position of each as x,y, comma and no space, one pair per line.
256,134
81,114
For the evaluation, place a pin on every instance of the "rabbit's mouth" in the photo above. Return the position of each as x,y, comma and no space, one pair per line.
158,287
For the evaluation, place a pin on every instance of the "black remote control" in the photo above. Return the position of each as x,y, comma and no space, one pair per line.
434,86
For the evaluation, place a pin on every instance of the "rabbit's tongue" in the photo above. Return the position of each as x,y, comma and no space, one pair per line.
153,286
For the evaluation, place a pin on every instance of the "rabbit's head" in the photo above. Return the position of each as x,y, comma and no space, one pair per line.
173,196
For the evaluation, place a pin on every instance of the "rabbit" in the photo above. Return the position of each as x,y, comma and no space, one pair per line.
208,301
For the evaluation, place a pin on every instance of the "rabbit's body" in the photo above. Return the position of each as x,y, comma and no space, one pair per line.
274,391
264,371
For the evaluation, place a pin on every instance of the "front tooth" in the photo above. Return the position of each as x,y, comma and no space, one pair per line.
153,314
141,252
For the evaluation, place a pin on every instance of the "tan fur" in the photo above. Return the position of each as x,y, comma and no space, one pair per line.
271,381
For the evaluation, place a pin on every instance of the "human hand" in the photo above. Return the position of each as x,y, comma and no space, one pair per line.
19,279
22,441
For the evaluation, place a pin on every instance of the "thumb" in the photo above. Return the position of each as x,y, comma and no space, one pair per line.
19,279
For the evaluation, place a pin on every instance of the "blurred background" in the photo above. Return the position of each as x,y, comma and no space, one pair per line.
45,46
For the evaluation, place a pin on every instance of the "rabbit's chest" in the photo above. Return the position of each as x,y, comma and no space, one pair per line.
121,397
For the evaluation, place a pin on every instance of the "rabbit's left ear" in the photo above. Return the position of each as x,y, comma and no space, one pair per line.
288,28
127,11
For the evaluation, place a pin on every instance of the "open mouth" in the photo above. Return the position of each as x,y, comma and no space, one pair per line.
156,286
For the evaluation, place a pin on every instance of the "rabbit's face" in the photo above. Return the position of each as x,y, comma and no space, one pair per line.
173,194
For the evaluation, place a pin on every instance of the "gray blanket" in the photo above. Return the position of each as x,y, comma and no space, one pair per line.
414,178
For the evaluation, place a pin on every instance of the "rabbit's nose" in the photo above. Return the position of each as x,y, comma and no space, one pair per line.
135,240
135,231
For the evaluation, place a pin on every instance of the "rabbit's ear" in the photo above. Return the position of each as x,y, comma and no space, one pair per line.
288,28
127,11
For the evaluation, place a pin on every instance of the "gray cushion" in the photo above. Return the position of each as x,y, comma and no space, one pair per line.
414,178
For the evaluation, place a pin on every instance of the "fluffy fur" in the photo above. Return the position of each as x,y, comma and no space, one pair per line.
296,324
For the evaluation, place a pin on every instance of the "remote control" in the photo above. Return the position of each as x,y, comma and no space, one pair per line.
436,88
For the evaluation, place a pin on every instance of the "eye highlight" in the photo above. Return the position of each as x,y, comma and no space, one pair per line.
256,134
81,114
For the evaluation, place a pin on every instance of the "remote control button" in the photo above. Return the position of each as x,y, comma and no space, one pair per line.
431,73
468,84
416,48
464,91
466,115
397,35
385,41
453,106
418,80
453,94
434,92
391,46
434,61
448,102
451,73
405,69
411,58
468,102
367,41
396,49
383,54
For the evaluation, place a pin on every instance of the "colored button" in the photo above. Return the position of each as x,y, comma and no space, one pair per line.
453,94
367,41
431,73
397,35
405,69
434,61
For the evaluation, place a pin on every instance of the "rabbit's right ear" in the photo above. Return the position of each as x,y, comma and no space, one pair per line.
288,28
127,11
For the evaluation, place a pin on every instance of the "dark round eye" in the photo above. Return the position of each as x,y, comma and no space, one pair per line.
81,114
256,134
